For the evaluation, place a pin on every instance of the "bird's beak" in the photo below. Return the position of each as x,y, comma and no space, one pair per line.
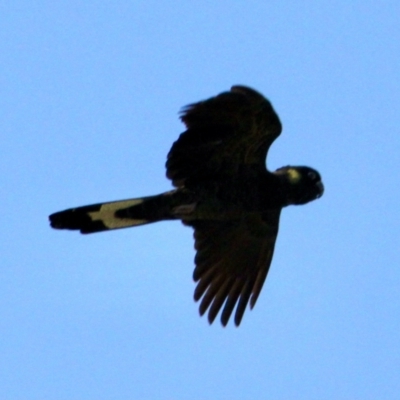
320,187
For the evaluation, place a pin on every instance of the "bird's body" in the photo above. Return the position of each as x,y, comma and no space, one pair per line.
224,192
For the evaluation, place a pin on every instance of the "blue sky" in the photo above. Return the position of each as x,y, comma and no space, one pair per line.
90,94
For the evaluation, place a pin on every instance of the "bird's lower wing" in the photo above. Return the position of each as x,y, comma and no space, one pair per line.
232,263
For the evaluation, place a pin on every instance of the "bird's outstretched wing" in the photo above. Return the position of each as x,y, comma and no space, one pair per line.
223,133
232,262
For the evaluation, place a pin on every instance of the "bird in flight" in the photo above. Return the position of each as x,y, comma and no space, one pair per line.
224,191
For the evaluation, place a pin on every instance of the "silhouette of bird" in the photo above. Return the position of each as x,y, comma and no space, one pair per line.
224,192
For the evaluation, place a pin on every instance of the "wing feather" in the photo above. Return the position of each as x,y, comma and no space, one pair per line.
223,133
232,272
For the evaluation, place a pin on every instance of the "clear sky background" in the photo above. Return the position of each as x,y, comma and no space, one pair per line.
90,94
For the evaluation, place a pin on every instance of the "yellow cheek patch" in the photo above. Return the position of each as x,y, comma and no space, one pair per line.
293,175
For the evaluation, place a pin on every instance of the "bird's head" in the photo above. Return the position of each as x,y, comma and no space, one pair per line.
302,184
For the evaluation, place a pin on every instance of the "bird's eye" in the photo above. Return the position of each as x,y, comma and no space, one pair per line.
312,175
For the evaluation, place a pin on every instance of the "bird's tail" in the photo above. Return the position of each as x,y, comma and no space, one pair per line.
115,214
